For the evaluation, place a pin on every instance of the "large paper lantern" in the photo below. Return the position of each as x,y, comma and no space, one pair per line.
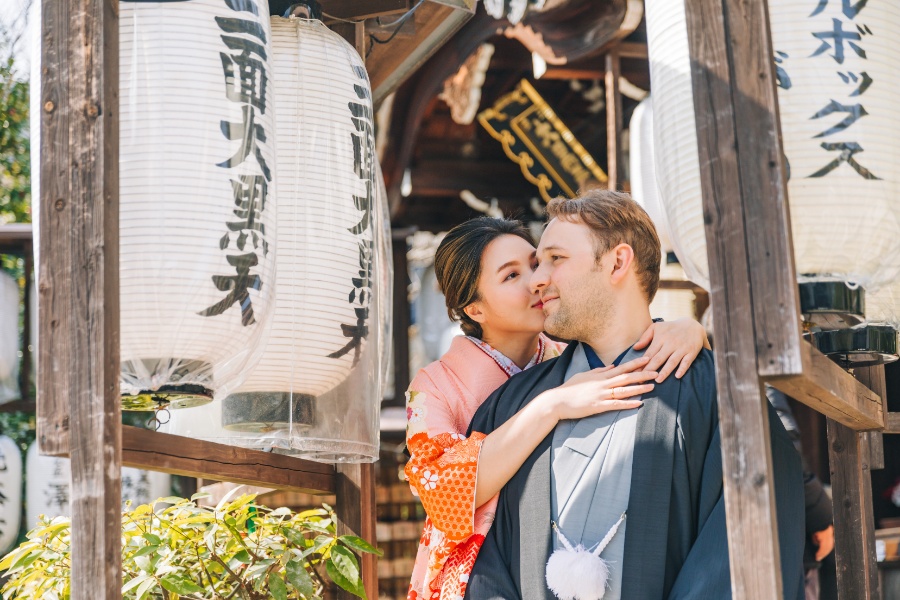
641,159
10,492
48,481
837,85
9,338
197,196
327,329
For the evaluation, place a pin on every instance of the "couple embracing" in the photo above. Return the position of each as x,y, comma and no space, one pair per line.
579,471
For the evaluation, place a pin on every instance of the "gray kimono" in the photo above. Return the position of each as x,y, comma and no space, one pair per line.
675,544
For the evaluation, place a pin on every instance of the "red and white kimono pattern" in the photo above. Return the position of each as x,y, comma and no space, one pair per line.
443,466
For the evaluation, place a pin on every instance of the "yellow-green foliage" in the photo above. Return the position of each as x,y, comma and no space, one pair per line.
237,550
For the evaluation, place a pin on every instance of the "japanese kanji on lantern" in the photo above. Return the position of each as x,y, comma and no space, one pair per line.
47,486
9,338
10,492
837,84
317,388
197,210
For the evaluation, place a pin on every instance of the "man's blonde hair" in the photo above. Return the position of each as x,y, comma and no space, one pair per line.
615,218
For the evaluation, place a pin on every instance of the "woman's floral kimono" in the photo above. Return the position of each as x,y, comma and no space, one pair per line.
441,401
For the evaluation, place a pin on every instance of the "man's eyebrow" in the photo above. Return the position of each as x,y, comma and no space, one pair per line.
551,249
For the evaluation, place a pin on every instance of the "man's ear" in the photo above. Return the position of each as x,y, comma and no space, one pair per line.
474,312
623,262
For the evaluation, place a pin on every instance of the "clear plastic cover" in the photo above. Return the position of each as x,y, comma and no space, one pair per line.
837,91
197,212
317,389
9,338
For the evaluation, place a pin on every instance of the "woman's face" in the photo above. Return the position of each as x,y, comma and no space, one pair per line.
506,304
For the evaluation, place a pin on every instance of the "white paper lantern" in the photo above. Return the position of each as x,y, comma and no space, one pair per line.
197,218
327,327
9,338
10,492
47,486
643,169
843,224
144,487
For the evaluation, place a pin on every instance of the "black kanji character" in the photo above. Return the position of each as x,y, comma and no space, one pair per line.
838,35
357,333
243,6
863,78
850,10
238,286
847,149
784,81
250,135
250,193
854,113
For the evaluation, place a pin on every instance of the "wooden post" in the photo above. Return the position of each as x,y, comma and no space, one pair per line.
873,378
720,50
78,381
615,164
355,505
854,522
402,317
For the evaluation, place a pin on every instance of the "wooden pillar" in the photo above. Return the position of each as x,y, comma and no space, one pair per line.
854,522
78,379
873,378
402,316
615,164
355,505
737,123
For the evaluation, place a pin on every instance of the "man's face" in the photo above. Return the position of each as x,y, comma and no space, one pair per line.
573,286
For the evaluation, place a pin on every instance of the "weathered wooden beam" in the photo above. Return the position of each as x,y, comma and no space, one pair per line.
824,386
615,164
355,503
391,64
892,423
14,235
873,378
145,449
354,33
743,418
854,522
402,317
354,10
78,382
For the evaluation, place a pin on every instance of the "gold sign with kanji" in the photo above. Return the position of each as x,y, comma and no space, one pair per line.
535,138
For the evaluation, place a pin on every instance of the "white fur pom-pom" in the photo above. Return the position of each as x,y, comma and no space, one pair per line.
576,574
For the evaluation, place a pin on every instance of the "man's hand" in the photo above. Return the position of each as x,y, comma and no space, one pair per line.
824,542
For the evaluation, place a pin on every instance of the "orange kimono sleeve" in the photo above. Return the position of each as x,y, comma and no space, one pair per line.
444,463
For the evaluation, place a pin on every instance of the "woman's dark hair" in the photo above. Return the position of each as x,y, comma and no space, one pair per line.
457,263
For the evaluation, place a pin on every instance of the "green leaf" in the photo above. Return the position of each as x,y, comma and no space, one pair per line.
344,564
145,550
277,587
342,581
359,544
153,539
144,589
134,583
180,585
299,578
295,537
244,557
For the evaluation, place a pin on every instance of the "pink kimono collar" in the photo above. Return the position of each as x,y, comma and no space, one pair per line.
504,362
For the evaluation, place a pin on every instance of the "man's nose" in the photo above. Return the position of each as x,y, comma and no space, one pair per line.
538,279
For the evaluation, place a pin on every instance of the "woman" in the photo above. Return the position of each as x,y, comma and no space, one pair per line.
483,268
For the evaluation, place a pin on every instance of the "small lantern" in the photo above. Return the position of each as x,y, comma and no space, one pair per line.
10,492
305,395
144,487
836,93
197,219
47,486
9,338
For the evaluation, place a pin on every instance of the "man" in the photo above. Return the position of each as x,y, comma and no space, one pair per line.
661,464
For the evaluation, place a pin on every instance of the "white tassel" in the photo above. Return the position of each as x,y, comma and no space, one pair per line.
575,573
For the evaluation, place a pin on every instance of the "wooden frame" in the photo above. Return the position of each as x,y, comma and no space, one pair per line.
755,299
78,375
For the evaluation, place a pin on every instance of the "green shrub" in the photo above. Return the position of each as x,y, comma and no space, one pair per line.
237,550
